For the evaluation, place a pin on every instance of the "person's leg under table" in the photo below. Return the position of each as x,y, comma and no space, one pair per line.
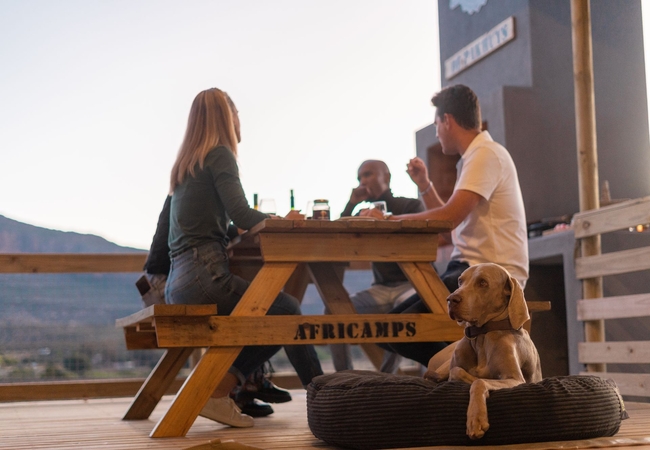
369,301
378,299
423,351
398,294
303,358
417,351
337,300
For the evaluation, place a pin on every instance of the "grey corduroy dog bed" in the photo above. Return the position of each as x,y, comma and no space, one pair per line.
373,410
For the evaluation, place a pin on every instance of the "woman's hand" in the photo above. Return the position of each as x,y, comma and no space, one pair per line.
418,172
295,215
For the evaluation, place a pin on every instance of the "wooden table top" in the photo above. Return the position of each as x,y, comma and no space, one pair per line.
357,225
350,225
341,240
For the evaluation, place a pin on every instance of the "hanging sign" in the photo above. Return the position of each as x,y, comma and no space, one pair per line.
491,41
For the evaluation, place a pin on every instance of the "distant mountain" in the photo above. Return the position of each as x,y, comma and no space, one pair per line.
18,237
61,299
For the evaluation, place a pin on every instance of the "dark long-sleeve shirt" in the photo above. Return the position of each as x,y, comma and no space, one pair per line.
158,261
202,206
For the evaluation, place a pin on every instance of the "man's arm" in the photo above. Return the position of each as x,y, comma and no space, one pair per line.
430,197
460,204
419,174
457,208
158,261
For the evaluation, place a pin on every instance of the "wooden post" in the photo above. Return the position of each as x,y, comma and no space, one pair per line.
583,76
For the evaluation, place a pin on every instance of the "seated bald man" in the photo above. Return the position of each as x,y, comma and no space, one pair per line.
390,286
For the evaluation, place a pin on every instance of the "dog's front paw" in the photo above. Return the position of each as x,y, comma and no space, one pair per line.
477,425
434,376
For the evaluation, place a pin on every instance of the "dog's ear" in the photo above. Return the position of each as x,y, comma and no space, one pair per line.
517,308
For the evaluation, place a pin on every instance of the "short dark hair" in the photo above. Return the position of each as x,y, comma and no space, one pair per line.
462,103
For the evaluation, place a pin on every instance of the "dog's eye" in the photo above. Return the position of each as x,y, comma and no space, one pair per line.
483,283
460,282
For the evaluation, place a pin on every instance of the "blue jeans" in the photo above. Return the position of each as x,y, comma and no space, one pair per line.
201,275
423,351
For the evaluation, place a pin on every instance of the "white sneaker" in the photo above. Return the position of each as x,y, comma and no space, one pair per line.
224,410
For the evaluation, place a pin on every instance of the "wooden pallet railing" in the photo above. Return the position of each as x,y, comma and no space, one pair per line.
616,217
41,263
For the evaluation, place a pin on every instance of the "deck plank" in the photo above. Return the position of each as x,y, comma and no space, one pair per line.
94,424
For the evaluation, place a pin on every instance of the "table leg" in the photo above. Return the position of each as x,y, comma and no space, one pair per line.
428,285
195,392
374,354
157,383
216,361
330,288
297,284
336,298
264,289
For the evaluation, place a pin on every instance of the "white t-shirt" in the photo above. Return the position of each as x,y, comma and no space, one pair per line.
496,230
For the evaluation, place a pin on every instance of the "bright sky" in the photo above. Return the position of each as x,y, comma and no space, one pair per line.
94,97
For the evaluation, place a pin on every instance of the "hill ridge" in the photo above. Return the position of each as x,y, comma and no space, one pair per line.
20,237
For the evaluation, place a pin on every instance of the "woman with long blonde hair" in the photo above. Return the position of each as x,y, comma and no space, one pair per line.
206,195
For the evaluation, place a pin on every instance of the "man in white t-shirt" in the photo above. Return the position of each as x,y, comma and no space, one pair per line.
486,207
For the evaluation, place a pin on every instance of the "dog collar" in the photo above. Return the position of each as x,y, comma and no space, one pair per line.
472,332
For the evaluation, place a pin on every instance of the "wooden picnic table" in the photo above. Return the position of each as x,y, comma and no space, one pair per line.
286,247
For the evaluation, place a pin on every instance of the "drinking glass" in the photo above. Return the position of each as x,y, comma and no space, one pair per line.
381,206
267,205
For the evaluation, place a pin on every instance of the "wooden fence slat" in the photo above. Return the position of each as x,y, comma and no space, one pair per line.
613,263
67,390
619,307
71,262
611,218
628,352
635,384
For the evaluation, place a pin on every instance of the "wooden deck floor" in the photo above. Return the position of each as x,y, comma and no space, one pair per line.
94,424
